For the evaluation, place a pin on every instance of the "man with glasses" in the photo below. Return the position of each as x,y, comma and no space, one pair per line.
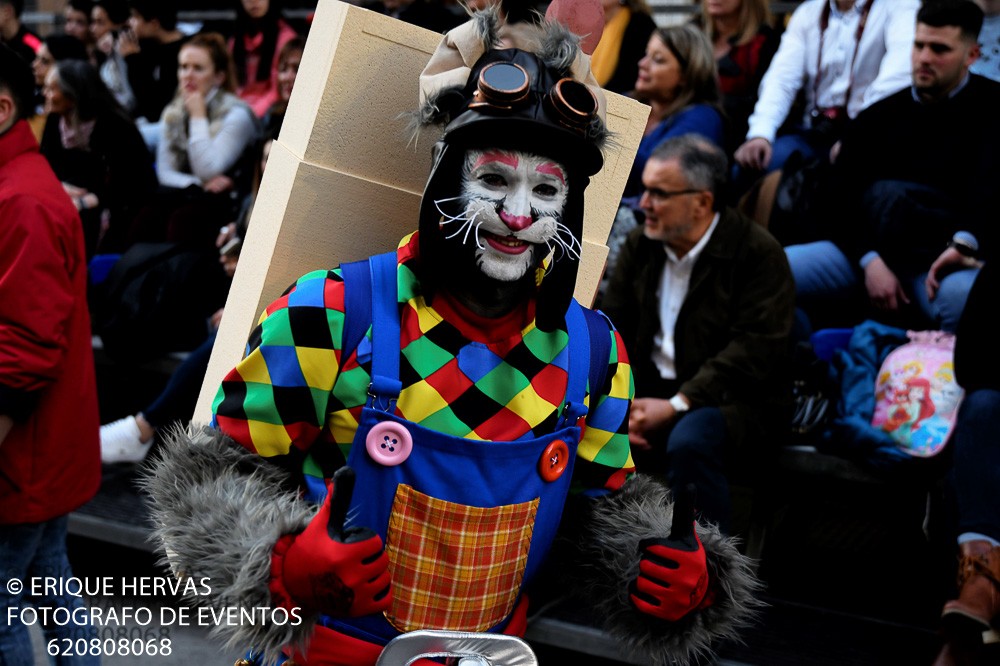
704,299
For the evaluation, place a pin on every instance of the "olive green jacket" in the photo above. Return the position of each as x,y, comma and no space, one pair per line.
732,334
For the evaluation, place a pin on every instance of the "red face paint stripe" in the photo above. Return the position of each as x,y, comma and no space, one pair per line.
497,156
552,169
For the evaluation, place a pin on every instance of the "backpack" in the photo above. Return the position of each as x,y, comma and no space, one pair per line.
916,395
157,299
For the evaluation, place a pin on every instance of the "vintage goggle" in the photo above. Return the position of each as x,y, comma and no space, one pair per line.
502,85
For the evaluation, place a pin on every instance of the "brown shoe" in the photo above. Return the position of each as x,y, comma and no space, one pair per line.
978,600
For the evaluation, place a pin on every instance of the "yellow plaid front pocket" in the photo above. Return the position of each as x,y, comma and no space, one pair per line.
455,567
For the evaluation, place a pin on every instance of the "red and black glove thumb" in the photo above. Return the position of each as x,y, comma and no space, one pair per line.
673,572
327,569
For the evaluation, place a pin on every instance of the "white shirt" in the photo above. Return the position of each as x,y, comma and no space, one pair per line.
674,283
988,64
882,65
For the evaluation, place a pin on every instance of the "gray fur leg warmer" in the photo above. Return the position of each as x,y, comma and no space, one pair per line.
610,562
218,510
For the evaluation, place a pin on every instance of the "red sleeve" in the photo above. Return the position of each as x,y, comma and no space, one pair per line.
36,301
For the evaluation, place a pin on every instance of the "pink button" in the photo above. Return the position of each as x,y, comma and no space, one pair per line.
389,443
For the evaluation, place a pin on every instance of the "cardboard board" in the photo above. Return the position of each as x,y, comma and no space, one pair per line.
343,180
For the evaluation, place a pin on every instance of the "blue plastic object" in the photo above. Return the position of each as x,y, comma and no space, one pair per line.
828,340
100,265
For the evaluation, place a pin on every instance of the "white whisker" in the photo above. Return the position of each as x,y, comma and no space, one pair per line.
465,223
448,218
478,244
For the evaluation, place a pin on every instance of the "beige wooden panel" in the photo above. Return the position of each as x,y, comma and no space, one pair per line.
343,181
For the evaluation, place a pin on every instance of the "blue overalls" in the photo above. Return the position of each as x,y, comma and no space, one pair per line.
466,524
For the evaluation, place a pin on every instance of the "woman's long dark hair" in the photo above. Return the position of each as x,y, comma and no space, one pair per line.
245,25
81,82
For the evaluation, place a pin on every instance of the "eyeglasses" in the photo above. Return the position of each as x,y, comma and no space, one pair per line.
657,196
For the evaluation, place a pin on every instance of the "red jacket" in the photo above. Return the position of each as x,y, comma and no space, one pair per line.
50,462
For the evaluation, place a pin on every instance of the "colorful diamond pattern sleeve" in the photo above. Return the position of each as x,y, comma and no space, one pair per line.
294,389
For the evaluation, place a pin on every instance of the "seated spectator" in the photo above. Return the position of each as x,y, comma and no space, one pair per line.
842,56
14,34
429,14
913,193
744,43
53,49
258,37
704,301
205,150
150,48
289,59
76,23
677,78
129,439
628,25
988,64
109,19
97,152
975,479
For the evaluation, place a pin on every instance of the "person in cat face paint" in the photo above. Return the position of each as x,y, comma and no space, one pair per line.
444,396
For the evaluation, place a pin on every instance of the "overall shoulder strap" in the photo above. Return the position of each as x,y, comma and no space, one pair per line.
599,327
370,301
589,347
357,304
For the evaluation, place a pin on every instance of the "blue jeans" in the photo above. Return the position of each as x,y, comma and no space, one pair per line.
34,551
808,143
976,463
177,400
822,273
695,452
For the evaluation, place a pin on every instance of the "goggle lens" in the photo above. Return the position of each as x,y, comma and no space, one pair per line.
501,84
573,102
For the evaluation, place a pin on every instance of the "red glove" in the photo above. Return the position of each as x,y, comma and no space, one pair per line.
673,572
342,574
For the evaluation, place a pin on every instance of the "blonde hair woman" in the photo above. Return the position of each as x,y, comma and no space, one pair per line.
204,154
744,42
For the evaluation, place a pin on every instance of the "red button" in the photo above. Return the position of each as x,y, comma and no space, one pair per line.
388,443
554,460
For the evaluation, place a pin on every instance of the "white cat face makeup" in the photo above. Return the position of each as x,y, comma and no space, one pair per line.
514,202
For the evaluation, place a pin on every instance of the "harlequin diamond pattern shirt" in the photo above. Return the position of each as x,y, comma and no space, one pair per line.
297,394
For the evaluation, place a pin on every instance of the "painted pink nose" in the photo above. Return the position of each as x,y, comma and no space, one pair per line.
515,222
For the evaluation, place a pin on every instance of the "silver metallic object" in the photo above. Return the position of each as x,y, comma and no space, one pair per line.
470,649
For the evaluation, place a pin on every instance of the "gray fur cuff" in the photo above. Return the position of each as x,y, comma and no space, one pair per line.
610,562
217,511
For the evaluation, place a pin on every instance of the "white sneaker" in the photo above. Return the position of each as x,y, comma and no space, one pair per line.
121,442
